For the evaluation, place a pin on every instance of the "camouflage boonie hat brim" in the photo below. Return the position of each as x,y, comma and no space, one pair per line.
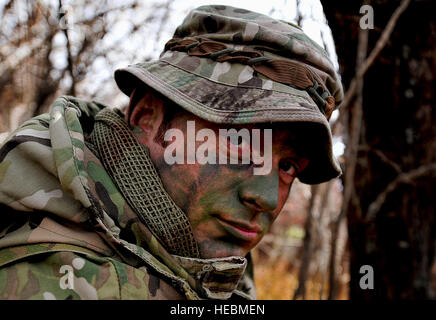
234,66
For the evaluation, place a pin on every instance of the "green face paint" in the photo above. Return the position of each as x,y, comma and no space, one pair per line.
229,208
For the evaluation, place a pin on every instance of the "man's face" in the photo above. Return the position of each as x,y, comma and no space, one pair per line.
230,209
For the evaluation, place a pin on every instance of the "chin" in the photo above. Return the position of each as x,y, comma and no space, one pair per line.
223,250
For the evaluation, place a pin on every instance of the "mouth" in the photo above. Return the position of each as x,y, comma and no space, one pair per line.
242,230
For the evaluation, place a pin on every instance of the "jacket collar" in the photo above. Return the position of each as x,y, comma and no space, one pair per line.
219,277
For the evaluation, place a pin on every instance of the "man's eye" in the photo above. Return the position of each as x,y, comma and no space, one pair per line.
289,168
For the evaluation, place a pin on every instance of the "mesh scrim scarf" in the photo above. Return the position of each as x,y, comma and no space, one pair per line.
129,164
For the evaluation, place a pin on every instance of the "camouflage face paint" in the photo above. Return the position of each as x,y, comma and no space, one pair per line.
230,209
234,146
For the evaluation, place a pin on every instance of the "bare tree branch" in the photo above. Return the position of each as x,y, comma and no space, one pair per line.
102,13
307,247
402,178
383,157
70,65
356,88
323,209
374,53
299,14
350,157
21,54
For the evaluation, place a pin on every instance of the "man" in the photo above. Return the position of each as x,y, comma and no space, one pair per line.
158,203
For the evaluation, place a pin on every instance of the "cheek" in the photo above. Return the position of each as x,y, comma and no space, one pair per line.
216,192
179,180
182,184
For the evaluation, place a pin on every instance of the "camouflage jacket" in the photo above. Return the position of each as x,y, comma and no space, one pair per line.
66,232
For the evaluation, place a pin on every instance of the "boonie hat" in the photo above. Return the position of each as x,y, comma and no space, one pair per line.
234,66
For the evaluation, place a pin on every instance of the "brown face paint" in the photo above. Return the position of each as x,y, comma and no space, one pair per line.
229,208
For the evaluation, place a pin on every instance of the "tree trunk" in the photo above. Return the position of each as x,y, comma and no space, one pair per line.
391,211
300,292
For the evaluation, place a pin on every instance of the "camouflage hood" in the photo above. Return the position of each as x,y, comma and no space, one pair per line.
233,66
56,195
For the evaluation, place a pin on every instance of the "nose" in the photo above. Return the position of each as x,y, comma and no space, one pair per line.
261,192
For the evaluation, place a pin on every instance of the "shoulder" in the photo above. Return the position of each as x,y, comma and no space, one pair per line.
38,130
45,152
79,276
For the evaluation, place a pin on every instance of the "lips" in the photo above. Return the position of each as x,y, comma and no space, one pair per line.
241,230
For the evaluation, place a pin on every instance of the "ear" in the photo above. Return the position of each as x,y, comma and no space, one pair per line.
147,113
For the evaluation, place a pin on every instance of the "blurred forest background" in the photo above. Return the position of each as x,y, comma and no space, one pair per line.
380,213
